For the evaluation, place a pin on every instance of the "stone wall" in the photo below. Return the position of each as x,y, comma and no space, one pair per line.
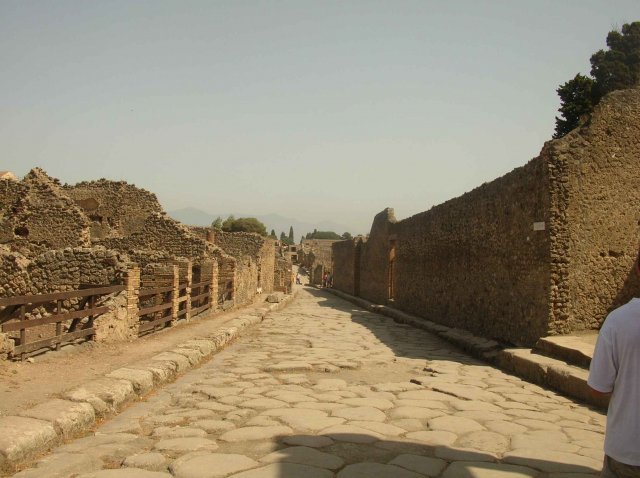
595,204
545,249
346,265
255,259
283,275
374,265
161,233
36,210
115,208
59,270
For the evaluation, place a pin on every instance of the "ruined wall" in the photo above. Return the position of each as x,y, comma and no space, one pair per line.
546,249
160,232
283,275
596,196
476,262
346,265
374,265
36,210
59,270
314,252
10,191
255,258
115,208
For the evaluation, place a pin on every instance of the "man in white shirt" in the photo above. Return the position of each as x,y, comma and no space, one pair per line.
615,371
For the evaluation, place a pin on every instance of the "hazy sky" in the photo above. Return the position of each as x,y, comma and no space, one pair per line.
312,109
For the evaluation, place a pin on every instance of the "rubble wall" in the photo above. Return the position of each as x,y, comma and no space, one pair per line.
115,208
345,266
42,214
545,249
160,232
481,262
374,265
596,198
255,262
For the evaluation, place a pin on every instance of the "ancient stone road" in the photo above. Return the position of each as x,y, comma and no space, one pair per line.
324,389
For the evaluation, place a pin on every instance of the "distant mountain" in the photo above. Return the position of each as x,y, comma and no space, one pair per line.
196,217
192,216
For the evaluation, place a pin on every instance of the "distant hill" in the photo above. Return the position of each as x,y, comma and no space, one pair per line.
196,217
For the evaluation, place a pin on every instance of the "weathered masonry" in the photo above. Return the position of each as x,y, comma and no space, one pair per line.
546,249
61,242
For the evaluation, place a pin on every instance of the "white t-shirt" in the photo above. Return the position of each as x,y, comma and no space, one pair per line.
616,367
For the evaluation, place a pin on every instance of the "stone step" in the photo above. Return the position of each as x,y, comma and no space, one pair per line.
574,349
549,372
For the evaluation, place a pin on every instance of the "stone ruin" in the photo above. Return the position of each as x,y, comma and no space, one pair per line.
546,249
317,257
56,238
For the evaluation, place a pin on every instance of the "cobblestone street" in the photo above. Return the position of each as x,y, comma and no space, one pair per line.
324,389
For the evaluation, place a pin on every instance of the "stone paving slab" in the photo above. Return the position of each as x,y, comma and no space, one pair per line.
556,374
38,428
415,406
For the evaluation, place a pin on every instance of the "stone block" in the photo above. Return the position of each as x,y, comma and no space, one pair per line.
22,437
68,418
142,380
105,395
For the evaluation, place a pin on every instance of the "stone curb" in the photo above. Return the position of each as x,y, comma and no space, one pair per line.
555,374
36,430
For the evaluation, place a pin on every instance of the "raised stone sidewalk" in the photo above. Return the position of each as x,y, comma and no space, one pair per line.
78,410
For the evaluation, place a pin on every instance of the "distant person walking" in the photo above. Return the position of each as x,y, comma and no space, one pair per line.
615,372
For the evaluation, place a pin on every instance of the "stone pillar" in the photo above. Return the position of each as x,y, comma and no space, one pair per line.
132,291
209,271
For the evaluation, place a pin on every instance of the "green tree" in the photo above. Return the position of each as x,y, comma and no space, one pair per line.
614,69
283,238
323,235
273,234
228,222
619,67
576,104
244,224
291,240
346,235
217,224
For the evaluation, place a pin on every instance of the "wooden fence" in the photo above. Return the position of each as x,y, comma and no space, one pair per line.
200,297
167,298
78,323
